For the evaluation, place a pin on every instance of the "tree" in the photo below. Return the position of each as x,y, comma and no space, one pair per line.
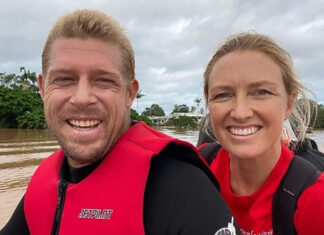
319,121
20,108
135,116
25,81
183,121
192,109
20,102
197,101
182,108
154,110
138,96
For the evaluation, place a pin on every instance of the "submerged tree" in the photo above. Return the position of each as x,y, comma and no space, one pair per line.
154,110
182,108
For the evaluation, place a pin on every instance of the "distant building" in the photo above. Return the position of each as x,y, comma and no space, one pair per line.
160,120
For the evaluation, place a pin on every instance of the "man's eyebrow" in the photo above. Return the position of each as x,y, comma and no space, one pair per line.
70,71
58,71
105,72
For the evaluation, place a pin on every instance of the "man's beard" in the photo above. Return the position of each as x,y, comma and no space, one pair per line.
70,152
93,153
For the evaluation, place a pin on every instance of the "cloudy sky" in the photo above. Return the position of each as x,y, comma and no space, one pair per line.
173,39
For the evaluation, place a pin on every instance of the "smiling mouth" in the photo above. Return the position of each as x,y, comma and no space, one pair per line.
244,131
83,125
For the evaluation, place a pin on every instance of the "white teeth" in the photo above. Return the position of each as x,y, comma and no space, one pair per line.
243,131
88,124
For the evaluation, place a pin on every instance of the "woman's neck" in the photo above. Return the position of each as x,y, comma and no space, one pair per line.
248,175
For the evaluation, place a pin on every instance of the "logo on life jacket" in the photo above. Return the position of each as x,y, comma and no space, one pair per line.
230,230
95,213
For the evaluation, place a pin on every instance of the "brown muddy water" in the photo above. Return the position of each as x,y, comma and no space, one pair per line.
20,153
22,150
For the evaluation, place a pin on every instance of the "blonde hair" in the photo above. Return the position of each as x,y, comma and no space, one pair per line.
263,43
85,24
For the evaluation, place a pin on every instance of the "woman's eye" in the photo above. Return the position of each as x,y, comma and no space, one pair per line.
262,92
222,96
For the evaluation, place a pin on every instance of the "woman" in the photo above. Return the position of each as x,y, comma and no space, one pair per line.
250,89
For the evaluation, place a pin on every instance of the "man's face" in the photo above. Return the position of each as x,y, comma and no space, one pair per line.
86,98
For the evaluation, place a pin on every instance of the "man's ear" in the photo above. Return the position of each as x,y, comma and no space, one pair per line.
132,91
290,105
41,85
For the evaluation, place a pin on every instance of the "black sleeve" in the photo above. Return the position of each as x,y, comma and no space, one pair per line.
17,224
180,198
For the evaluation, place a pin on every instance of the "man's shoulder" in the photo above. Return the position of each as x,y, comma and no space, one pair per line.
179,165
181,196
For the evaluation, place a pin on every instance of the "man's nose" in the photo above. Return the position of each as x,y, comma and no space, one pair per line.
241,109
83,94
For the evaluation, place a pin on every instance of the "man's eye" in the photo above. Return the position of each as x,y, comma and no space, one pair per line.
104,82
63,80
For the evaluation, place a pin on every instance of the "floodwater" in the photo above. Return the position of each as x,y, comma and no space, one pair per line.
20,153
22,150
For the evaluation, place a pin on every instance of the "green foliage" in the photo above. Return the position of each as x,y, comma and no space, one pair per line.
32,120
319,123
183,121
16,103
135,116
20,102
139,94
154,110
182,108
24,81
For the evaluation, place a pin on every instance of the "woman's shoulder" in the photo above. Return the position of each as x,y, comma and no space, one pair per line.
317,188
308,217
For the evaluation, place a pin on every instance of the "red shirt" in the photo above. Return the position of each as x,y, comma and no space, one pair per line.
254,212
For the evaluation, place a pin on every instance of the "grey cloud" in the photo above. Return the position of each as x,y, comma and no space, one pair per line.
173,40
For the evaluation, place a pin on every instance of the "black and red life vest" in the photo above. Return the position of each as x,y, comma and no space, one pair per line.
108,201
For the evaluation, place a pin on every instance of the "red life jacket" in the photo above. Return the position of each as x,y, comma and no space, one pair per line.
108,201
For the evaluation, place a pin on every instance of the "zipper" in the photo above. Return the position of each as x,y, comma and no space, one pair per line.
59,207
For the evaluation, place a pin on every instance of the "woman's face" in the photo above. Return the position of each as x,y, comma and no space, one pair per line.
248,103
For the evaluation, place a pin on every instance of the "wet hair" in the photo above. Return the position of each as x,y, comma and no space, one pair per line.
262,43
91,24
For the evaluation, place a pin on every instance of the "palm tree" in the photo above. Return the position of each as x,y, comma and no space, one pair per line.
138,96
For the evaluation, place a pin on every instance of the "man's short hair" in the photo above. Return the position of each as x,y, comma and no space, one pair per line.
86,24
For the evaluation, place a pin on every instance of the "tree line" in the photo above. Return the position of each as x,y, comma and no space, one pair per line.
21,105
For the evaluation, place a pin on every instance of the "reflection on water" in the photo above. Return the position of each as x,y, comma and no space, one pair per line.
22,150
185,134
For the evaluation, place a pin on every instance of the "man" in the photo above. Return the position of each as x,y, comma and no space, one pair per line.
112,176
